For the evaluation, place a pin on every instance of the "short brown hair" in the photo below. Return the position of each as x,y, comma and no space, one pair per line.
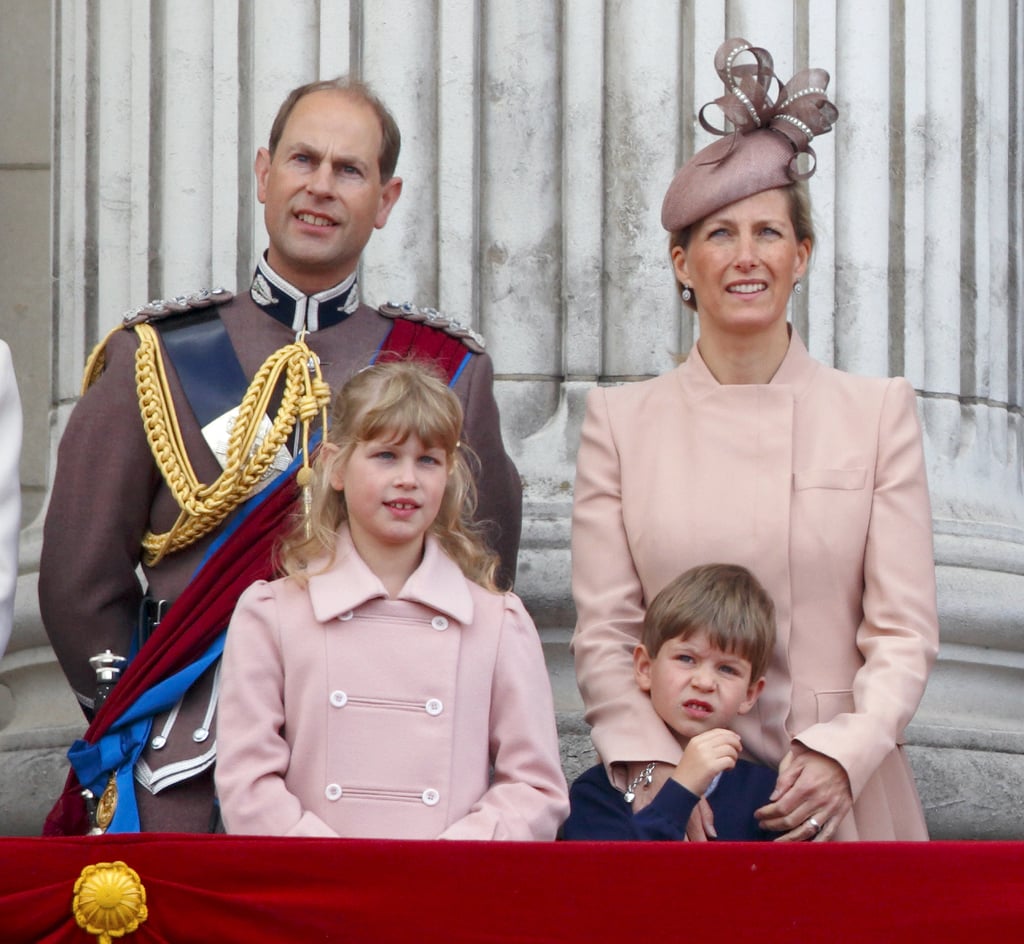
391,138
799,198
724,600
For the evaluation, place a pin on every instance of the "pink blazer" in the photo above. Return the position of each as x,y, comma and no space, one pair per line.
816,483
344,712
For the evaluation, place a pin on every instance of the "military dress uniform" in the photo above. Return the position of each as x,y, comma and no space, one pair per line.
108,493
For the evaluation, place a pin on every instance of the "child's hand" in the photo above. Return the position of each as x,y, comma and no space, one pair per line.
707,755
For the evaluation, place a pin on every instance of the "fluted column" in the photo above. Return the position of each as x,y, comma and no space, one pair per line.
970,329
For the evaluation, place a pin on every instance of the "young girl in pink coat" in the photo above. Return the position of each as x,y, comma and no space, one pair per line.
384,687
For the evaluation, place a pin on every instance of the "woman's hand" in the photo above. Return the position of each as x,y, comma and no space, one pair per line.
810,800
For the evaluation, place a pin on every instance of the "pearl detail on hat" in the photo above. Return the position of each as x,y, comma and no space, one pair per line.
744,46
810,90
749,159
792,119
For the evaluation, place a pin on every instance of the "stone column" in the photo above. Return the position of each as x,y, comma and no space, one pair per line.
963,342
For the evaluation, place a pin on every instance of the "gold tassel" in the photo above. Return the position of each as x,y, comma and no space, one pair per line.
304,478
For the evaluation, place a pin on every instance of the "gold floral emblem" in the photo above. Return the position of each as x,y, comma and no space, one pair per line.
110,901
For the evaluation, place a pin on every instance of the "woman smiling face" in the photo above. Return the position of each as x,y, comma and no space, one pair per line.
742,262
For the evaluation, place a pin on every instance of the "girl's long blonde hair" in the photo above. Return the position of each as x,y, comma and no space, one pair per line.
395,399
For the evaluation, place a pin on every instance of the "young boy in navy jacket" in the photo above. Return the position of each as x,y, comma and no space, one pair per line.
706,641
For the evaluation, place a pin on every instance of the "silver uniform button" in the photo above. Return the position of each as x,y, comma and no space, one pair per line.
339,699
345,617
431,797
434,706
333,791
439,623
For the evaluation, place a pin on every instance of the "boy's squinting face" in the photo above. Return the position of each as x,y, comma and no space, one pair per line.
694,685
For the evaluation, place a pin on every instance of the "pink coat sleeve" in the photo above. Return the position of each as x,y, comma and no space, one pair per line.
898,635
609,606
528,798
252,753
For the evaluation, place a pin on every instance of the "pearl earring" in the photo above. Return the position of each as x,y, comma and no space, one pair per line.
798,288
687,294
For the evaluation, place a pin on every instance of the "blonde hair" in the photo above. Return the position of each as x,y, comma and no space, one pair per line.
400,399
724,600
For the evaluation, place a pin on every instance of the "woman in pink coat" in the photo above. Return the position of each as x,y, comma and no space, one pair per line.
384,688
750,452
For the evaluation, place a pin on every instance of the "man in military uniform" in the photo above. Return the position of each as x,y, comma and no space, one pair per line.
121,495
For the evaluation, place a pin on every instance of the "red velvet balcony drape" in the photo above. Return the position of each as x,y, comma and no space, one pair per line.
227,888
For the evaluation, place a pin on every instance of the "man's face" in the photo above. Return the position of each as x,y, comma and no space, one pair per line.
322,192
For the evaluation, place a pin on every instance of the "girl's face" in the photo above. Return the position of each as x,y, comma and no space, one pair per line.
393,492
742,263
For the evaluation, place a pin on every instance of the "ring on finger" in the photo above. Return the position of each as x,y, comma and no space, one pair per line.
813,822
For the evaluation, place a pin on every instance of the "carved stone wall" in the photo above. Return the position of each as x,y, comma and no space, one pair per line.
538,139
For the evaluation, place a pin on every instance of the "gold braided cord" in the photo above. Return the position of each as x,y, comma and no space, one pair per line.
97,361
204,507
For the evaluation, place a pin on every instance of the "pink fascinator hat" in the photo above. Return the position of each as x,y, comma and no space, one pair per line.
770,140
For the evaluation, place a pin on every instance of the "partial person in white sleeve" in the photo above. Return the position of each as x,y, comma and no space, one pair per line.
10,492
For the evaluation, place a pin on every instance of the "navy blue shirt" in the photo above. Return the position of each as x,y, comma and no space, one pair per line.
599,812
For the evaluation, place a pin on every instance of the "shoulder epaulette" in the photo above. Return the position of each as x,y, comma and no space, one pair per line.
155,310
432,317
161,308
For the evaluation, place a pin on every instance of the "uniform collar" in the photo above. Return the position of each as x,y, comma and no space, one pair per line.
297,311
437,583
796,370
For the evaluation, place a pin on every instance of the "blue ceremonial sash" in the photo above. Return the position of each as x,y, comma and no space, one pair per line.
120,746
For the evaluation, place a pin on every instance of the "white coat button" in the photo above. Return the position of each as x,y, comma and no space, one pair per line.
339,699
333,791
431,797
345,617
434,706
439,623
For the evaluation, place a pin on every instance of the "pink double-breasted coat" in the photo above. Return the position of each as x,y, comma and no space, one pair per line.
816,483
344,712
